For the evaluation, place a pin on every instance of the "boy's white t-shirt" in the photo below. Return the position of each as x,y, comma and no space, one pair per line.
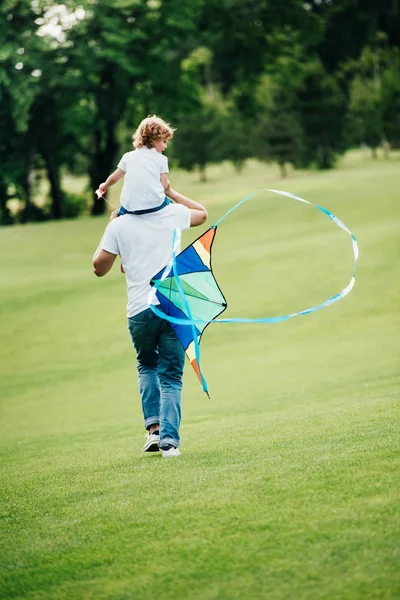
144,243
142,187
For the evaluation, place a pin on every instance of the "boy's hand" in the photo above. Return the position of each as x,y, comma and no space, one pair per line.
113,215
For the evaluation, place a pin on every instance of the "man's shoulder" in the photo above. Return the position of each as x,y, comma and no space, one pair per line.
178,214
118,224
175,209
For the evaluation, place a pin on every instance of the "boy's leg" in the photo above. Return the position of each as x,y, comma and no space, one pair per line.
170,372
144,332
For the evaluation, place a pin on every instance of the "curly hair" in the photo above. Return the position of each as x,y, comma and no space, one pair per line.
151,130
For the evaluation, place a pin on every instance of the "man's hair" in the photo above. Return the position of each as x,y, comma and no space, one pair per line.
151,130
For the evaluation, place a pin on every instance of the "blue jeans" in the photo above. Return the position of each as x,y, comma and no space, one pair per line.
161,360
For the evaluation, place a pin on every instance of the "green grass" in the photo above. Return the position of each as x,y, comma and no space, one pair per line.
288,484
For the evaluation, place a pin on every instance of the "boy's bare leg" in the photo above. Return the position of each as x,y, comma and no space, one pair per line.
154,427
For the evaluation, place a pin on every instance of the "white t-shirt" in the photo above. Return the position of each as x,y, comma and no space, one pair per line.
144,243
142,187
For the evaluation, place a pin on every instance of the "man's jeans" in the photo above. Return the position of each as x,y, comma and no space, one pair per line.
160,365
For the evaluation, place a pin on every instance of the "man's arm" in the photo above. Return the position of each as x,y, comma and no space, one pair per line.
198,214
113,178
102,262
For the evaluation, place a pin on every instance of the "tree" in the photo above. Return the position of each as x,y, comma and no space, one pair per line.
133,63
351,25
198,139
390,82
246,35
41,95
366,110
322,109
277,133
235,144
19,87
375,94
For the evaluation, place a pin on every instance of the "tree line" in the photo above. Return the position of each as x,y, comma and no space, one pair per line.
295,82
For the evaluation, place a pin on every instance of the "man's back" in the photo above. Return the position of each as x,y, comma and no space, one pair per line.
144,244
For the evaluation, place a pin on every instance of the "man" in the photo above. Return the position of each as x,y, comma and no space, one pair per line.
144,244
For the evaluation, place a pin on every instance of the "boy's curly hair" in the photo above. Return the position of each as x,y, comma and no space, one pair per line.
151,130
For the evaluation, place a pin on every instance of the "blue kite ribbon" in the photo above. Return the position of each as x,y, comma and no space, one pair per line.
192,322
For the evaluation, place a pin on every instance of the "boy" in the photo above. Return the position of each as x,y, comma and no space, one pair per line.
145,169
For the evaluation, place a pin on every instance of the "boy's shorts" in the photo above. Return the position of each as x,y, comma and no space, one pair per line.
122,210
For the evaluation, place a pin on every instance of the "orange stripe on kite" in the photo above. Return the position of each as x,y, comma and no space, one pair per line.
196,368
206,239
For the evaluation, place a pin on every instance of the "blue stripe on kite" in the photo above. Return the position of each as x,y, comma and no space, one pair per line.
159,275
187,261
185,334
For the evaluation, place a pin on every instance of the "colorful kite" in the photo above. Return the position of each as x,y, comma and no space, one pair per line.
191,299
189,292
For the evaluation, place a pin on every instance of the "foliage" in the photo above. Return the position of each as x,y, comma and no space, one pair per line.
322,107
19,87
390,82
375,95
277,132
200,136
74,205
77,77
366,110
236,141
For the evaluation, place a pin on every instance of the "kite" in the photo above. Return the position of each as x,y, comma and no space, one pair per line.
190,296
189,292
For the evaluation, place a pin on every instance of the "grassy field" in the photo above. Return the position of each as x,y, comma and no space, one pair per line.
288,484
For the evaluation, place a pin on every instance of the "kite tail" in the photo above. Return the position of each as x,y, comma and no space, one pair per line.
190,322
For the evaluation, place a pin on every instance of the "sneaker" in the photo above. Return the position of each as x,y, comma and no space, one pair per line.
152,441
170,452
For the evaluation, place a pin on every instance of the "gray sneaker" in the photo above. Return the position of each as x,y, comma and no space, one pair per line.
152,441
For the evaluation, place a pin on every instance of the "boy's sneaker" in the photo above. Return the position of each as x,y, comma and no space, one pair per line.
152,441
170,451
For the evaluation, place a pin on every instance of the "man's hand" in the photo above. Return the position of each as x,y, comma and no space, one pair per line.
113,215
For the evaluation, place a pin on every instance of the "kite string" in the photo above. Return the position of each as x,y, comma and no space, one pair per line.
100,194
